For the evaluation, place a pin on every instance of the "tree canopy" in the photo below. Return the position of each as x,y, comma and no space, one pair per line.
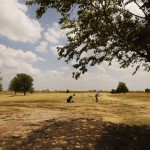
147,90
122,88
102,30
21,83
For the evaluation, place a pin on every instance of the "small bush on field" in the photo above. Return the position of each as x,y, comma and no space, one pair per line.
113,91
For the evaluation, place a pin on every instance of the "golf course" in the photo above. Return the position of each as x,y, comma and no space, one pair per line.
44,121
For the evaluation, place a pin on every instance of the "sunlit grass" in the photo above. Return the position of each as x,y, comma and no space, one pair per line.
130,108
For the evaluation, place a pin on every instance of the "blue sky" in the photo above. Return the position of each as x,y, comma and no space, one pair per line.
28,45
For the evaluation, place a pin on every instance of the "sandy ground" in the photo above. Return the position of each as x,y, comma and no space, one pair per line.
22,122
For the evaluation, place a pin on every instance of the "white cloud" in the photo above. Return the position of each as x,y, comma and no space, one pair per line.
15,24
41,59
101,69
139,81
17,55
50,38
132,7
54,34
14,61
42,47
65,68
50,79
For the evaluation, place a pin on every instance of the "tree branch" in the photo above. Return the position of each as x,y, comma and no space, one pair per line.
140,7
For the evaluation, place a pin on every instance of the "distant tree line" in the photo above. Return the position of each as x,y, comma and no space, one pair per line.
122,88
24,83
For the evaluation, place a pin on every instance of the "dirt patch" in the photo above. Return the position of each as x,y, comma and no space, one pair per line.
25,120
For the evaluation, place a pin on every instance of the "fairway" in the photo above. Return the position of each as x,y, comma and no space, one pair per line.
21,116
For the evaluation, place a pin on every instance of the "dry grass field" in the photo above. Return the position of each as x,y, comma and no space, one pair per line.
44,121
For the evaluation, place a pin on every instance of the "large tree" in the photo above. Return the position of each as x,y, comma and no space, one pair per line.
104,30
21,83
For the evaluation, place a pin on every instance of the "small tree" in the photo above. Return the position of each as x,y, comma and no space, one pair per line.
147,90
21,83
122,88
1,87
67,91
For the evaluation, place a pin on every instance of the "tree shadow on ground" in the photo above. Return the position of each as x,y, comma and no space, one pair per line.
82,134
123,137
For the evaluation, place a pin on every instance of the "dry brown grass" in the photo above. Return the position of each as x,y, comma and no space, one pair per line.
22,115
130,108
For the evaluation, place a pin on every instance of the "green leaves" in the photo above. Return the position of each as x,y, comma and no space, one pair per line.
21,83
102,31
122,88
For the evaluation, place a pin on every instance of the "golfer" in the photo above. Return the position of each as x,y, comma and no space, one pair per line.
96,96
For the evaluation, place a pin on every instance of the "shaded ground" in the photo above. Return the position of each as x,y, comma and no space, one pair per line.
81,133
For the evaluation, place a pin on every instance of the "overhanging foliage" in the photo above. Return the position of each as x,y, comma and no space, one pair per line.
103,30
